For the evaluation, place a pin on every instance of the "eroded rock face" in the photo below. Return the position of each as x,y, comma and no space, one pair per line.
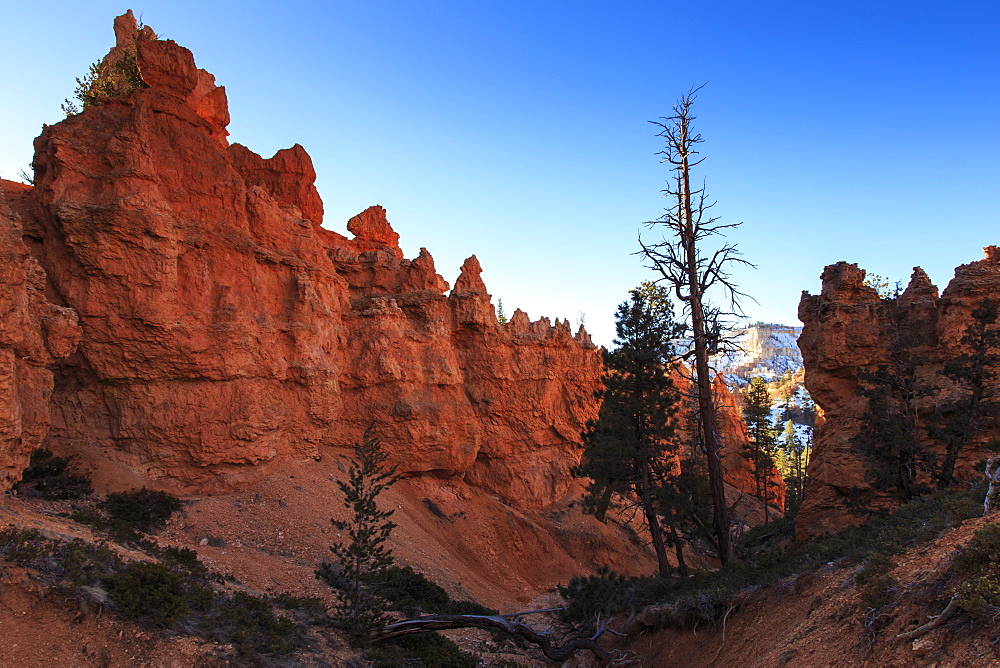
33,333
223,329
849,332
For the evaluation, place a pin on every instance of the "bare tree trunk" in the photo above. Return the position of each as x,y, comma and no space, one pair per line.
690,275
994,477
510,623
710,434
708,418
655,531
602,506
682,568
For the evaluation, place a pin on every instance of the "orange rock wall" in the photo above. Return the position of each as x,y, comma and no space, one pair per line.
223,329
33,332
848,329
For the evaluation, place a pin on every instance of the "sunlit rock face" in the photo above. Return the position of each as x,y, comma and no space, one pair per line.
224,331
850,331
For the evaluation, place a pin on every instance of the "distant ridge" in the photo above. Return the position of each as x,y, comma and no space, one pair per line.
763,349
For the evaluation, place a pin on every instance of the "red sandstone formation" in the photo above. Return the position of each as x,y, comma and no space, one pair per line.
224,329
33,332
849,330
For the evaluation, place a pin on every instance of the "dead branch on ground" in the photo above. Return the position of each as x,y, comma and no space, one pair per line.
931,625
511,623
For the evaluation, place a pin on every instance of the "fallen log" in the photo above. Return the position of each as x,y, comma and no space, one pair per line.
553,648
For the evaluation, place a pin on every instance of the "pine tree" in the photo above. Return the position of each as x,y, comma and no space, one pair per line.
364,558
793,462
889,435
630,447
501,316
759,451
109,78
956,423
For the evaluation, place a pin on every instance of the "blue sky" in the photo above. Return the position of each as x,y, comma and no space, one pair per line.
857,131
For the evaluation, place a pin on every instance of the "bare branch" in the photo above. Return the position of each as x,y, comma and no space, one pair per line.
509,623
937,621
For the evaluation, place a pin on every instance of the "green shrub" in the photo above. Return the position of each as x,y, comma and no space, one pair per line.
875,583
419,649
148,592
605,594
23,546
981,553
183,558
49,477
174,592
249,623
106,79
980,596
978,564
412,594
128,515
877,591
143,510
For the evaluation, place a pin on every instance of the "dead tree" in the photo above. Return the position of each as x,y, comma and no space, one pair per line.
690,273
555,649
994,477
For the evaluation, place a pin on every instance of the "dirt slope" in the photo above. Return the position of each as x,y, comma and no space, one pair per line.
820,620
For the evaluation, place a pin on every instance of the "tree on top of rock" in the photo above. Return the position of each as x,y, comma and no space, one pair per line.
114,75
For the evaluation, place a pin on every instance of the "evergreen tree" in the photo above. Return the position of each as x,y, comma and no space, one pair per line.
501,316
108,78
792,462
630,447
956,423
364,558
898,461
759,452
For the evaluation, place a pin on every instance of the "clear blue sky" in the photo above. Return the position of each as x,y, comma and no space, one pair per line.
859,131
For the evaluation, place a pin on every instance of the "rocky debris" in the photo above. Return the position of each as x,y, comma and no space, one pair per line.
224,331
33,333
849,331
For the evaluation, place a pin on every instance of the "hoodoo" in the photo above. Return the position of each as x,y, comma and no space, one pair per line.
854,339
223,330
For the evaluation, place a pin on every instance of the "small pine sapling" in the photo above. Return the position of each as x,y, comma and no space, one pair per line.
364,558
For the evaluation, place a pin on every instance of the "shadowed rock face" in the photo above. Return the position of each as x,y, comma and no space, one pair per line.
849,331
224,330
33,333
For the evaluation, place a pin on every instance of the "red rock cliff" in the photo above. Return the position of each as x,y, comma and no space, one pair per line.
848,332
223,329
33,333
